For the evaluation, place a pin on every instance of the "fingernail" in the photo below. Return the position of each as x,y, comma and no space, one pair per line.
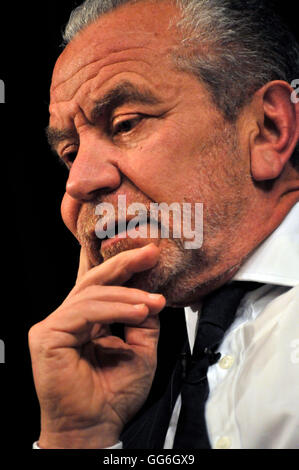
140,307
155,296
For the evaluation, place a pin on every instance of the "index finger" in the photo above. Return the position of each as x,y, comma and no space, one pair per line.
120,268
84,265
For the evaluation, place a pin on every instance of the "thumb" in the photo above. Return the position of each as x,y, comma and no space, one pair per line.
84,265
145,335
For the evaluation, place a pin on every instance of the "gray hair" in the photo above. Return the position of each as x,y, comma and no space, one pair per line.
243,45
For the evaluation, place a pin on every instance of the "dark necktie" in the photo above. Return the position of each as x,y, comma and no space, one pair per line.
217,314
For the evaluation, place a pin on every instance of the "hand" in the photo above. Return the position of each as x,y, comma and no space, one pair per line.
90,383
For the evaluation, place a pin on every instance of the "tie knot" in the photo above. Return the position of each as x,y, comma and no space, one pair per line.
218,312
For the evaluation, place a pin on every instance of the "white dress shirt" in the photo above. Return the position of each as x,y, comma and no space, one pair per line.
254,387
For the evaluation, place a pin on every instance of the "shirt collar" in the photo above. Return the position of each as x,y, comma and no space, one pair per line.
276,260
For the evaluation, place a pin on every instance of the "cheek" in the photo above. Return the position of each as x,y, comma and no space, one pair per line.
161,165
70,211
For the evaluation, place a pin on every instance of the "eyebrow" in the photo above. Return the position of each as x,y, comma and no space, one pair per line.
55,136
123,93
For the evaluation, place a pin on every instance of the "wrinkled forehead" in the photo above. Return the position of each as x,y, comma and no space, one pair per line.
146,25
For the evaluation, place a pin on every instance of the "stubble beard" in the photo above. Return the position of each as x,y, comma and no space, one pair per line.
164,278
182,274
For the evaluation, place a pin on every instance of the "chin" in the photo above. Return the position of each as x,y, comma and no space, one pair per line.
166,276
181,276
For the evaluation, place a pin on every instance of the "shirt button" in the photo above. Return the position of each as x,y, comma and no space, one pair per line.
226,362
223,443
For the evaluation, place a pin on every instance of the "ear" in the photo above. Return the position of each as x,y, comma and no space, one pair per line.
278,130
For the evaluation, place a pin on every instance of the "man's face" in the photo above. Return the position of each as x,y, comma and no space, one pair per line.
127,122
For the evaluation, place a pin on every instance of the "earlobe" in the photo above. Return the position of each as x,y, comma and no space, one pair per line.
278,130
267,167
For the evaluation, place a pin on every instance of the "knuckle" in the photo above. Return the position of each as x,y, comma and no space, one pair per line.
42,340
33,333
92,291
89,305
36,337
124,269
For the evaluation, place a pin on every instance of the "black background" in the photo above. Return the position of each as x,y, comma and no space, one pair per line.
34,239
39,256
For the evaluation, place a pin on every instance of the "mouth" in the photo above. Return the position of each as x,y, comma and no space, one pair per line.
121,232
124,230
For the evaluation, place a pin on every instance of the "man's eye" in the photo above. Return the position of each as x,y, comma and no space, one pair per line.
125,126
68,158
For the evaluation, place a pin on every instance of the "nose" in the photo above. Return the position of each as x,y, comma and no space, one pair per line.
94,169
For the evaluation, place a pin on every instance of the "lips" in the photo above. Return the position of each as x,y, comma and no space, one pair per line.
120,228
96,244
127,239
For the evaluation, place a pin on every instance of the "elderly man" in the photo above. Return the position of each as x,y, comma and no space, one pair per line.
187,102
